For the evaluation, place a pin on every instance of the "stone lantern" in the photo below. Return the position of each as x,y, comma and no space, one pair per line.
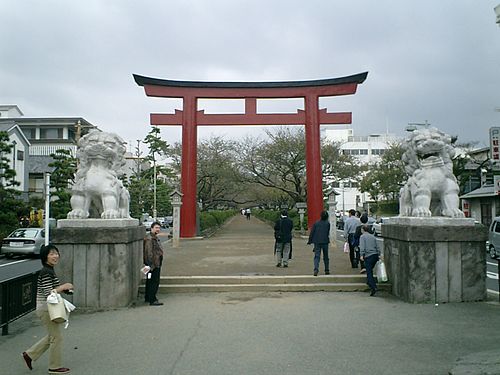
332,205
176,197
301,207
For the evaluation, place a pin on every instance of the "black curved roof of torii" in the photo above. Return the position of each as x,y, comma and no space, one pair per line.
356,78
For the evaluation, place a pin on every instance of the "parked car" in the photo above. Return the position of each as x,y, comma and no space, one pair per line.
148,224
377,226
23,241
493,244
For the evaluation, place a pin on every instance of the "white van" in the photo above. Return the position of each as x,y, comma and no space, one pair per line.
493,245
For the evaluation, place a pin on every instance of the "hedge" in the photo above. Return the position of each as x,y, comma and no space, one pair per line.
271,216
214,219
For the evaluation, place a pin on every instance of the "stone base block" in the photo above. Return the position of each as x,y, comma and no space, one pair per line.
436,263
97,223
102,263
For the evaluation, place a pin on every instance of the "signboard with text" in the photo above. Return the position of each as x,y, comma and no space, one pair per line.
495,147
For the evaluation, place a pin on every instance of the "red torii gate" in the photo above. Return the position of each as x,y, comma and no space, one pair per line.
189,117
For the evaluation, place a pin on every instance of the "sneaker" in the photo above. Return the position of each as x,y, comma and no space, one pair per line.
285,265
363,270
278,265
315,273
156,303
372,293
27,359
60,370
327,272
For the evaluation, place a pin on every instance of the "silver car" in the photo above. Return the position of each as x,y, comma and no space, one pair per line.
493,244
23,241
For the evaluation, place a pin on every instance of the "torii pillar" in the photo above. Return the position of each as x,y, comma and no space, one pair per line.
190,118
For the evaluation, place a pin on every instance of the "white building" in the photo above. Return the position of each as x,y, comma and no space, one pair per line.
18,155
367,150
40,137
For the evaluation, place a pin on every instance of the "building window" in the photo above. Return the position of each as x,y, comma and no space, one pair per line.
51,133
20,155
363,151
354,152
378,151
30,133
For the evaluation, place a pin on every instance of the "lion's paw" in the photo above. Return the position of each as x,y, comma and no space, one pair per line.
78,214
421,212
110,214
452,212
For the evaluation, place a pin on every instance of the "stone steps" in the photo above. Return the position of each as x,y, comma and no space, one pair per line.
258,283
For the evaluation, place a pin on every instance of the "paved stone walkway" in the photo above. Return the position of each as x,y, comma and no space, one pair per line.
245,247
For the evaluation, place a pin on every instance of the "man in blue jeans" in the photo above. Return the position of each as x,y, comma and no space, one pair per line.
370,254
320,237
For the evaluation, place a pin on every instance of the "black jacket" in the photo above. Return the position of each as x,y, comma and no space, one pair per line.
320,232
284,227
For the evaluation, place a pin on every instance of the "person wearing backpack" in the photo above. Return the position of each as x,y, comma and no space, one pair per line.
283,236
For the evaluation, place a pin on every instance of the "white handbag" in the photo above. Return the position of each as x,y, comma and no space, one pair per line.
57,308
381,271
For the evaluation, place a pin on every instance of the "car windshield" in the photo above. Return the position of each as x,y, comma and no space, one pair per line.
24,233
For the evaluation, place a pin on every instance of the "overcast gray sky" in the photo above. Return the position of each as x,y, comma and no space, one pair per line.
427,60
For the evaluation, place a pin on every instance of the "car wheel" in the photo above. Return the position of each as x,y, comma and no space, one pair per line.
493,254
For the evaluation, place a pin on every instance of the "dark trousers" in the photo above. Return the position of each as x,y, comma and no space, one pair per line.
352,251
358,258
317,254
152,285
370,264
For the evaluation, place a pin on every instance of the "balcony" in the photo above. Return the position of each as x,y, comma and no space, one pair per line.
46,150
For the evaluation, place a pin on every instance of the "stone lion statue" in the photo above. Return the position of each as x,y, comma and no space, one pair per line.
431,189
97,192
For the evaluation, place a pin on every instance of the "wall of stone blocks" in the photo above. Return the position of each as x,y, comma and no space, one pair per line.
102,263
436,264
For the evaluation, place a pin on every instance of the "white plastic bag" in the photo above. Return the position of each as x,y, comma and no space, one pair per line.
56,307
381,271
346,247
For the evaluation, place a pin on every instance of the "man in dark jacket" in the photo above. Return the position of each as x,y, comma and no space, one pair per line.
283,235
320,237
153,257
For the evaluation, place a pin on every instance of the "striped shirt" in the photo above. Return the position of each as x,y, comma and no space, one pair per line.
47,281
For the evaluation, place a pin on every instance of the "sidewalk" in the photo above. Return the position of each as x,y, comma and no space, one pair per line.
271,333
244,247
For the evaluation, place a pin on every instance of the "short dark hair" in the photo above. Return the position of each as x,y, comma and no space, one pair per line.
284,213
45,250
155,223
364,218
366,228
324,215
352,212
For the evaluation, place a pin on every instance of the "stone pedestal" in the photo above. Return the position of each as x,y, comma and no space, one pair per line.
102,259
435,260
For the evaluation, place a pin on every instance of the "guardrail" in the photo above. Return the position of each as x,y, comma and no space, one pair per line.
17,293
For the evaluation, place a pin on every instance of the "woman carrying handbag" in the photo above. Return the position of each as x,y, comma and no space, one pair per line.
48,282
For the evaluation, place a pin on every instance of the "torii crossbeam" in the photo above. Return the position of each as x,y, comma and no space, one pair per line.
190,118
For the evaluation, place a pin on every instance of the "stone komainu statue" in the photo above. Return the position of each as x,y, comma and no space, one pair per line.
431,189
97,191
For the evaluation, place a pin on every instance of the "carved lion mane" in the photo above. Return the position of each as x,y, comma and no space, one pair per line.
97,191
431,187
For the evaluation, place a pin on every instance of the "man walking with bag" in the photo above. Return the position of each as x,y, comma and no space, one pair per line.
283,235
370,254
